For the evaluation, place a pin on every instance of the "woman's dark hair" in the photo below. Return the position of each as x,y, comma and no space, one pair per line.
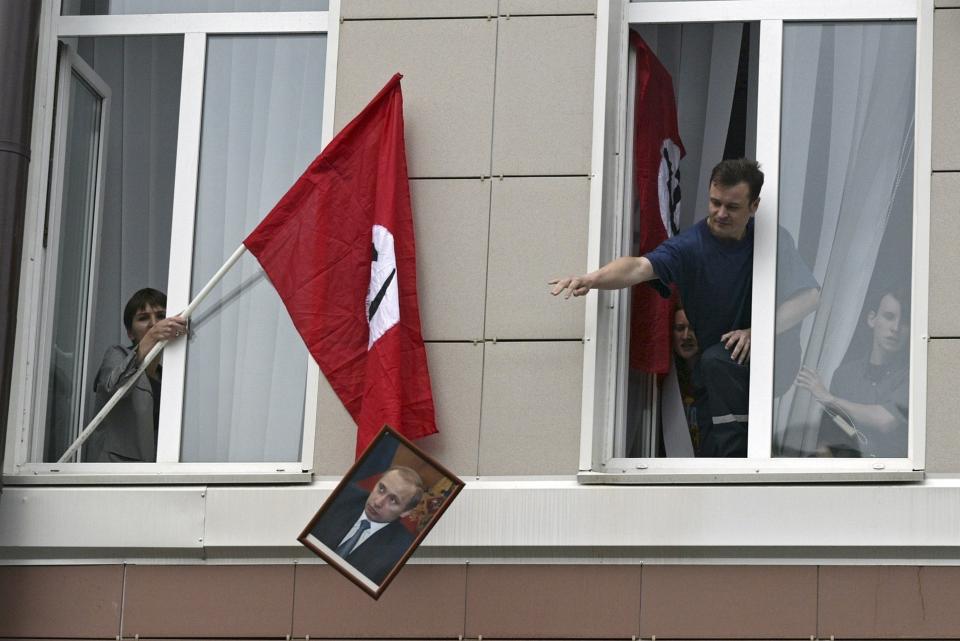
142,298
899,294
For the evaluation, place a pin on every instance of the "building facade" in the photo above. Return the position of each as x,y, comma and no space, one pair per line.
162,132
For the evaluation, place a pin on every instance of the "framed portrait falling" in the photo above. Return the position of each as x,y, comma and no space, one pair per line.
380,512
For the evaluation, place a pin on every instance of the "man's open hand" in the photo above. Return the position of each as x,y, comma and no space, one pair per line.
737,343
570,286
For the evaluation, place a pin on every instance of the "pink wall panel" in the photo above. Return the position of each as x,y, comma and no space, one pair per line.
729,602
889,602
208,600
424,601
60,601
558,601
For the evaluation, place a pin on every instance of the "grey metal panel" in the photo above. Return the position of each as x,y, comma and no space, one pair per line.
455,373
547,7
943,406
531,518
366,9
944,260
451,220
946,3
543,116
946,89
239,517
448,68
530,417
102,517
538,231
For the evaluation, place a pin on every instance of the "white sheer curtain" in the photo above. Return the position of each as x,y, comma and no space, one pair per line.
143,73
246,366
846,158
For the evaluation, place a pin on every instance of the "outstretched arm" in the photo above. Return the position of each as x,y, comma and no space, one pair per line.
796,308
622,272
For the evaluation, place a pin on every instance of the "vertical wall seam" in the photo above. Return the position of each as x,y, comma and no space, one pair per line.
293,600
486,276
816,606
123,599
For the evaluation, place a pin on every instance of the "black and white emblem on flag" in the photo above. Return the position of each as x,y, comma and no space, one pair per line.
383,298
668,187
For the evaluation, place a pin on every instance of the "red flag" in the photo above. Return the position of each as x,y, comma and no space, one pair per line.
657,151
339,249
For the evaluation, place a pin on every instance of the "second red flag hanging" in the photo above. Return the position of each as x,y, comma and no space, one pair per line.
339,249
657,150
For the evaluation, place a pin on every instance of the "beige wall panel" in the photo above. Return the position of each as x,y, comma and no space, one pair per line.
61,601
451,220
543,115
455,374
538,231
424,601
447,68
417,9
530,421
889,602
208,601
946,89
336,437
944,259
943,406
724,602
946,3
559,602
546,7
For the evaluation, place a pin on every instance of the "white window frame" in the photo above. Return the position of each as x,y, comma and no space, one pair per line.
32,332
606,207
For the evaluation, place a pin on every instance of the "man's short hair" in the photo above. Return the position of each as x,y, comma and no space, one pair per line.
140,299
733,171
409,475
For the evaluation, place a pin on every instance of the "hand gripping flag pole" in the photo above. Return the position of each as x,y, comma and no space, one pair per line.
151,356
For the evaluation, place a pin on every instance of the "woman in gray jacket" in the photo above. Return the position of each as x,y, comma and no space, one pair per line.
129,433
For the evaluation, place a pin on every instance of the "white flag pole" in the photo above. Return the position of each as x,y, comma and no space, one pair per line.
102,414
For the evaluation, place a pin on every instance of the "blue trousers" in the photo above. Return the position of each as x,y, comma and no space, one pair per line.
724,432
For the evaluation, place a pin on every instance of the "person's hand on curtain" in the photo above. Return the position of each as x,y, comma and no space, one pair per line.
810,381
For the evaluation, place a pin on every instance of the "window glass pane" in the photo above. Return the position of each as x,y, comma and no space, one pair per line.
128,248
246,365
846,212
713,67
65,395
118,7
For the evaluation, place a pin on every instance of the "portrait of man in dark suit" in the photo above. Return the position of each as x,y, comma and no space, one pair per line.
366,529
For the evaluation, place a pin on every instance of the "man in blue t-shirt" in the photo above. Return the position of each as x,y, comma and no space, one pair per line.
711,264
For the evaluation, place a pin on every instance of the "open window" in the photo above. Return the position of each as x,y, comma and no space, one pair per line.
172,137
831,102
